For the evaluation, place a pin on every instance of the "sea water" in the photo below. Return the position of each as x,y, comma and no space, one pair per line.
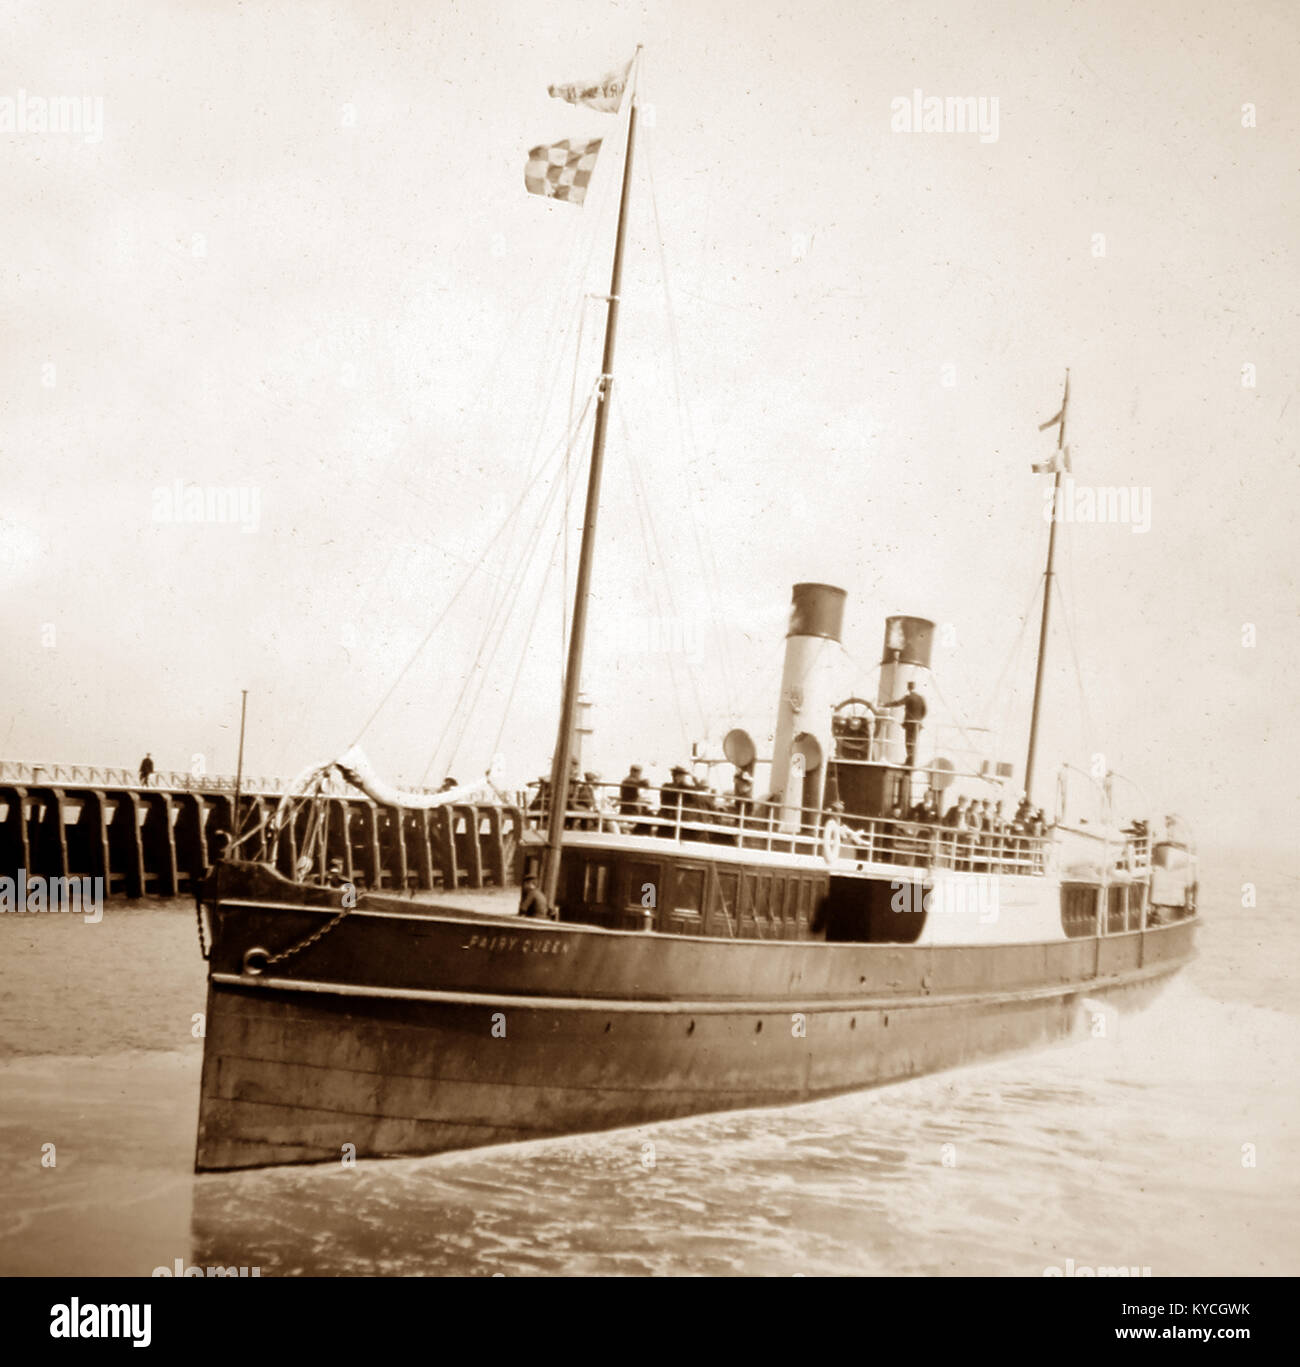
1161,1141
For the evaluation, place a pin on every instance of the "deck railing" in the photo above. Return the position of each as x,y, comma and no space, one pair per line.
684,816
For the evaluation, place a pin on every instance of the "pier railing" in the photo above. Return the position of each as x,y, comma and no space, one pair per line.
39,774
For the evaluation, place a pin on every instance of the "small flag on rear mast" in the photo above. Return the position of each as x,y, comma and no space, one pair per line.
1060,461
605,94
561,170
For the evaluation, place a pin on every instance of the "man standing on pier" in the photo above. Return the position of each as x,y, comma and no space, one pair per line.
146,769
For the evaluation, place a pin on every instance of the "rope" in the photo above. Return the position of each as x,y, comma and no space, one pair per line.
1088,733
650,535
498,623
537,608
686,437
952,711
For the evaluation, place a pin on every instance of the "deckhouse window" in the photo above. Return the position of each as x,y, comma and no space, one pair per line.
595,880
688,895
729,892
639,878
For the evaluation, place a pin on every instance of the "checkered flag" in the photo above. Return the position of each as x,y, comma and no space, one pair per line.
562,170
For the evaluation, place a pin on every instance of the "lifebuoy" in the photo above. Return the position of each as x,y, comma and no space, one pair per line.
832,840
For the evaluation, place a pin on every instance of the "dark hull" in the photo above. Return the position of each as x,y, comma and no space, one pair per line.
537,1030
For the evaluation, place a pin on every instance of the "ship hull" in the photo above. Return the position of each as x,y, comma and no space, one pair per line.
337,1061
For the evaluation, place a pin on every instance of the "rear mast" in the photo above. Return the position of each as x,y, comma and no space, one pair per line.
1047,599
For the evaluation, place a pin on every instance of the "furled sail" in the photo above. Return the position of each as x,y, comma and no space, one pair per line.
357,769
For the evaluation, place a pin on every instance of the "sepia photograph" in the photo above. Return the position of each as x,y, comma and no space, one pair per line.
650,640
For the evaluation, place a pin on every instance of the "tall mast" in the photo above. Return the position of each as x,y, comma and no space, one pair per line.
578,632
1047,601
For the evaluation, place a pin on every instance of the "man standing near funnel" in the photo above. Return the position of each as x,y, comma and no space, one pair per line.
913,705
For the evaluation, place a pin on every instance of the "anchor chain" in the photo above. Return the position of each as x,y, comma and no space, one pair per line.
198,918
310,940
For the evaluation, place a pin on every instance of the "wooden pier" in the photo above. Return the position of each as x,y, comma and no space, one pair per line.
155,839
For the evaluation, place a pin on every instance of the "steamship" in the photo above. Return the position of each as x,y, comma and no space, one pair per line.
706,957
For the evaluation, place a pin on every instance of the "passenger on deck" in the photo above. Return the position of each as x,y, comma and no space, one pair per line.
697,806
742,789
576,798
589,799
532,901
913,705
957,820
630,801
1038,827
903,836
955,817
672,800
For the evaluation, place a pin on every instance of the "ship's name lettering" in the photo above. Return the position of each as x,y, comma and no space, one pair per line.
520,944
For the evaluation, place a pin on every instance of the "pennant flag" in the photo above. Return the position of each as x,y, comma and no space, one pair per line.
1051,422
605,94
562,170
1059,463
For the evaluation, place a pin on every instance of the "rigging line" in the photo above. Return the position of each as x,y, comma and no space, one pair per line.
464,583
672,602
495,630
638,505
1012,657
770,688
543,410
952,712
686,436
859,671
523,654
644,526
525,572
1089,735
479,394
507,582
496,623
567,512
574,280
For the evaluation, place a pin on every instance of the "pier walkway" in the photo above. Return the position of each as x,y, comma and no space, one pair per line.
154,839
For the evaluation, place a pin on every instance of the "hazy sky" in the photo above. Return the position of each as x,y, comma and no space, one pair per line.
299,263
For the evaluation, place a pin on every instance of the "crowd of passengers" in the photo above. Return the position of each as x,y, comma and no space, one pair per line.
971,833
